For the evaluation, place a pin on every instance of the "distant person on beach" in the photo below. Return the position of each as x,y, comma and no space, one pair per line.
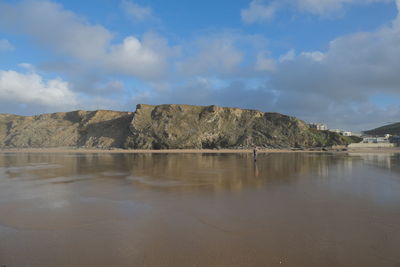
255,153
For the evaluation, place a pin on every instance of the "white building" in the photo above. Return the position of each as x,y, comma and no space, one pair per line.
319,126
345,133
376,140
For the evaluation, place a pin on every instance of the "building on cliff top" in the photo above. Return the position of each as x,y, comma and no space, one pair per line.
319,126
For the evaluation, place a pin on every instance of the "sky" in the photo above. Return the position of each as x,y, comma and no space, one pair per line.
330,61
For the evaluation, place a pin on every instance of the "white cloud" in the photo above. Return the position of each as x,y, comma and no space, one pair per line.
327,7
27,66
202,91
353,67
317,56
33,89
214,55
265,63
66,33
290,55
115,85
258,11
261,11
137,12
50,25
396,23
226,54
137,58
6,46
29,93
336,86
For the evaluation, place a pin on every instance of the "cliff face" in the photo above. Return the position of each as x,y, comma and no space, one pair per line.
160,127
97,129
184,126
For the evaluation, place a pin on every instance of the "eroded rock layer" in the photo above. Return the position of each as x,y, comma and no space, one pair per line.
161,127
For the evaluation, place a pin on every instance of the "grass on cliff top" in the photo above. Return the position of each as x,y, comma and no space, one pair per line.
393,129
327,138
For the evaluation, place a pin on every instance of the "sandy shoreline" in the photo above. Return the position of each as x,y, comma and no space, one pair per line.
206,151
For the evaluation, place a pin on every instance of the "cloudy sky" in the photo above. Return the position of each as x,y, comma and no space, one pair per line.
332,61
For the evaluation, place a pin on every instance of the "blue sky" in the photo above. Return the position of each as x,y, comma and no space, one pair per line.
332,61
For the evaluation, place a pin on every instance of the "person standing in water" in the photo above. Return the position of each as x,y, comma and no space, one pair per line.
255,153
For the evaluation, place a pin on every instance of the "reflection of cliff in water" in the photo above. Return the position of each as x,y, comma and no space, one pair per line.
380,160
231,172
177,172
52,165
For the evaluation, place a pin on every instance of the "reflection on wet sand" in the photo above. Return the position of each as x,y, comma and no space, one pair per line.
221,172
224,172
199,209
386,161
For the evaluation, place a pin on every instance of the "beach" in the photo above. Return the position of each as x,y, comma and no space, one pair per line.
206,151
198,209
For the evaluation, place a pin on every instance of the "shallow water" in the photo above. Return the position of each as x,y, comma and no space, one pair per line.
199,210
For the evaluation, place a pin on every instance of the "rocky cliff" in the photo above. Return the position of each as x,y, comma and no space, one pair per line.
161,127
94,129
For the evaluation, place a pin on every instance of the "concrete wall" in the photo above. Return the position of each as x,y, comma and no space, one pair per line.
371,145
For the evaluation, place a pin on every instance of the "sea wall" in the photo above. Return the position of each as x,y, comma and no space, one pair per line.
371,145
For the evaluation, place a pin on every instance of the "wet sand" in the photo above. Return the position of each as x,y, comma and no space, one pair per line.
288,209
136,151
206,151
